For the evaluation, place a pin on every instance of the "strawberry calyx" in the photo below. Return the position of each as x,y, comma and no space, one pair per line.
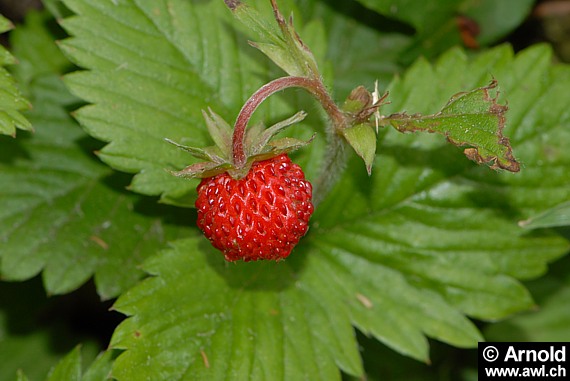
258,145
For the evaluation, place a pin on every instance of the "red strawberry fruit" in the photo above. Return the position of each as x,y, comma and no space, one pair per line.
261,216
253,202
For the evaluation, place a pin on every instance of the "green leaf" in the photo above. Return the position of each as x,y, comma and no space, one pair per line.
56,8
548,323
558,215
34,46
21,376
414,261
5,57
422,16
32,352
410,253
428,240
286,48
65,213
363,48
156,67
199,318
382,363
68,369
442,224
28,346
439,23
11,99
362,139
549,320
100,369
469,118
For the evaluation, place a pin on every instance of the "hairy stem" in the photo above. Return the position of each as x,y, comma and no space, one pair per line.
314,86
335,157
331,168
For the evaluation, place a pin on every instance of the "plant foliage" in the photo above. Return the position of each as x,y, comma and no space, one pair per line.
12,103
416,251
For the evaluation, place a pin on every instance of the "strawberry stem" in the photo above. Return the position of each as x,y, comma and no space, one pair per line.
314,86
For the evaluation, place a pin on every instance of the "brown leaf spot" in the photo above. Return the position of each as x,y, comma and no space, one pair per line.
205,358
364,300
99,242
511,165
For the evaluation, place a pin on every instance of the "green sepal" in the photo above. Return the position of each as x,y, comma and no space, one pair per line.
258,147
272,148
202,169
277,147
220,131
216,159
362,139
212,165
252,134
209,153
285,145
263,137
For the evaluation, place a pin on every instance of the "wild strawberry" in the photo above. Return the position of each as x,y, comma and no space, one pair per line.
261,216
253,202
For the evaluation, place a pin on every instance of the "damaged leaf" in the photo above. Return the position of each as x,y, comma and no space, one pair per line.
472,118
